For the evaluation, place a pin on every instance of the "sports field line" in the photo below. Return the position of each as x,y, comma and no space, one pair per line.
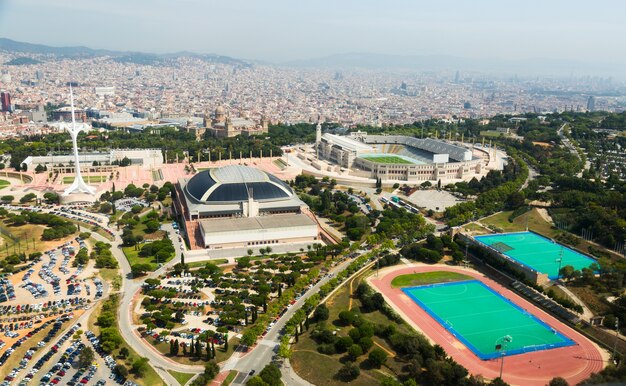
508,329
466,315
451,299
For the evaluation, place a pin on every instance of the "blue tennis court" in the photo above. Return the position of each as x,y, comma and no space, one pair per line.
536,252
482,319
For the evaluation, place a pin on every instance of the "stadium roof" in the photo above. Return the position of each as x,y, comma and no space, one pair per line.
347,143
235,183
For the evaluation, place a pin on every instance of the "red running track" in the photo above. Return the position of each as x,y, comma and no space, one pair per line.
574,363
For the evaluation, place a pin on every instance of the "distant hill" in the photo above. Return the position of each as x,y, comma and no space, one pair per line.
119,56
22,61
15,46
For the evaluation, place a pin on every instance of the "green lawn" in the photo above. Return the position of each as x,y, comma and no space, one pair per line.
182,378
387,159
491,133
88,179
4,183
230,378
133,258
535,223
200,264
414,279
320,369
112,275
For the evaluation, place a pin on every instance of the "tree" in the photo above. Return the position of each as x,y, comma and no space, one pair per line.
121,370
355,351
28,198
86,357
140,367
558,381
106,207
152,226
248,338
7,199
271,375
348,372
377,357
567,272
140,269
256,381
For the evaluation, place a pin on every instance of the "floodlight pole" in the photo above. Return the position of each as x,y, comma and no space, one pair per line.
616,338
505,339
560,260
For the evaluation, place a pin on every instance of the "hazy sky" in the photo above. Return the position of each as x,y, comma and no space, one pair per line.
281,30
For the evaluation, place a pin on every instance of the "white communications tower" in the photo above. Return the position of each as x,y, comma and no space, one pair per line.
78,184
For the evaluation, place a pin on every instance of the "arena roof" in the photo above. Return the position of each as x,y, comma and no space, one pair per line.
236,183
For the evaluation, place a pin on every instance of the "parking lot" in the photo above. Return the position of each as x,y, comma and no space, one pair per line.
45,289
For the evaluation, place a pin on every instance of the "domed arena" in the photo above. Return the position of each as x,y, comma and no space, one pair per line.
241,207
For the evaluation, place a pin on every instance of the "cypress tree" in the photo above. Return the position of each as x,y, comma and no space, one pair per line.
198,348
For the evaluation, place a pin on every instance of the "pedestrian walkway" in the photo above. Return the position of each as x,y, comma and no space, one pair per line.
290,377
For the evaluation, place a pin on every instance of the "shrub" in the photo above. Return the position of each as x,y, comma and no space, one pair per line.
377,357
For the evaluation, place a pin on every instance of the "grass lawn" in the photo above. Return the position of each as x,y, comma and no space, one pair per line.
91,228
535,223
28,239
308,362
414,279
387,159
133,258
473,227
112,275
4,184
491,133
140,230
200,264
182,378
230,378
88,179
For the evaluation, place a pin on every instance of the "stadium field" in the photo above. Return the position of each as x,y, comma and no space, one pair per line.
389,159
490,325
536,252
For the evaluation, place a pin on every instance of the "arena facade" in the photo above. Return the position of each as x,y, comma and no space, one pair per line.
397,157
238,206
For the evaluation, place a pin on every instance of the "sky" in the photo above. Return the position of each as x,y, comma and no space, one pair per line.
284,30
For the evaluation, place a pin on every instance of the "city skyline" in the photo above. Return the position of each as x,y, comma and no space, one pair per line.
279,32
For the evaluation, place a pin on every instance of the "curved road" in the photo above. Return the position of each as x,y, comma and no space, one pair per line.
255,359
129,288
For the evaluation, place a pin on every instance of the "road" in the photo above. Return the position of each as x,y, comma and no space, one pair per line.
129,288
261,355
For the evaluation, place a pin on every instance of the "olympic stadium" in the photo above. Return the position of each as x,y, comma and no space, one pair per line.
397,157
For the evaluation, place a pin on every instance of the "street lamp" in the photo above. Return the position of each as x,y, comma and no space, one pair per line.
616,338
501,347
560,261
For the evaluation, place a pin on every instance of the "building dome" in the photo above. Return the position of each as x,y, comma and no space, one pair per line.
235,183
